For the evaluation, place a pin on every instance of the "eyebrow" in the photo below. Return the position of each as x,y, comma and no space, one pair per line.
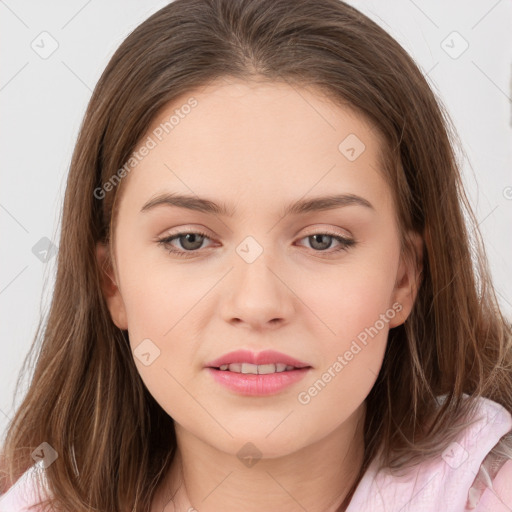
298,207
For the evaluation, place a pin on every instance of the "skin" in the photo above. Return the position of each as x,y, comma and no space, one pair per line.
256,147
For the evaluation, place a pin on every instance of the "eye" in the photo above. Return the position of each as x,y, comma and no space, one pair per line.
320,242
190,241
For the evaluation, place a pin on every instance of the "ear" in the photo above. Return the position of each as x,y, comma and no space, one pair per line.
110,288
408,280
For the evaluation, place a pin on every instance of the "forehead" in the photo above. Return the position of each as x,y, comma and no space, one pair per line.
237,108
257,140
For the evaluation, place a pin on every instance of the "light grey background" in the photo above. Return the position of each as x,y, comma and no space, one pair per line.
43,98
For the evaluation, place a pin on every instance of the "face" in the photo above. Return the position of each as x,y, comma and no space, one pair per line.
322,284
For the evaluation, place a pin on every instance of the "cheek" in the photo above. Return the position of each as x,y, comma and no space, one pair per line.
352,305
159,303
156,291
353,333
351,296
351,341
162,336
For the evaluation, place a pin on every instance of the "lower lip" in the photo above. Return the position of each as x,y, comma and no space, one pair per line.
257,384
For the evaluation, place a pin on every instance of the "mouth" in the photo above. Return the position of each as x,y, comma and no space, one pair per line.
258,369
257,374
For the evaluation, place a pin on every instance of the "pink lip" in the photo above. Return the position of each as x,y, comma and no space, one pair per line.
257,385
261,384
265,357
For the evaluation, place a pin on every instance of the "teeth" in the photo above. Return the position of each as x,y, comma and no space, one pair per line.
261,369
269,368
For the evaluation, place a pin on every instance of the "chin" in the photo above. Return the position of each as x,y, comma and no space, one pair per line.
258,444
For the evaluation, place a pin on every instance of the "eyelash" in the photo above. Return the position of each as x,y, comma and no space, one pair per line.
346,243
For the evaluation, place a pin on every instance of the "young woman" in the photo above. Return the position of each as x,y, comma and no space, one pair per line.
267,297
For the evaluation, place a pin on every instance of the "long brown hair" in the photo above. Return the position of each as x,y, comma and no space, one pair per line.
86,398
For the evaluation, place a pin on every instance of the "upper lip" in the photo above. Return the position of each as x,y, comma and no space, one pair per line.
265,357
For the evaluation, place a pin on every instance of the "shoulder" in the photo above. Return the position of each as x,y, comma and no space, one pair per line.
29,489
497,495
447,481
503,483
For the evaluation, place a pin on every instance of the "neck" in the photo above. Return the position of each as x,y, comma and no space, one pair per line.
320,477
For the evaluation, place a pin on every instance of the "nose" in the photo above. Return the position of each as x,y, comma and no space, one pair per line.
258,295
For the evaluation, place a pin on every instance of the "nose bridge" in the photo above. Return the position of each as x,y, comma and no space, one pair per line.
253,265
257,293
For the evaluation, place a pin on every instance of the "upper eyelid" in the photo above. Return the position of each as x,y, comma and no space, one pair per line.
316,231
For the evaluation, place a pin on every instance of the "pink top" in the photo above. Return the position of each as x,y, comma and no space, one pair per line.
445,484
